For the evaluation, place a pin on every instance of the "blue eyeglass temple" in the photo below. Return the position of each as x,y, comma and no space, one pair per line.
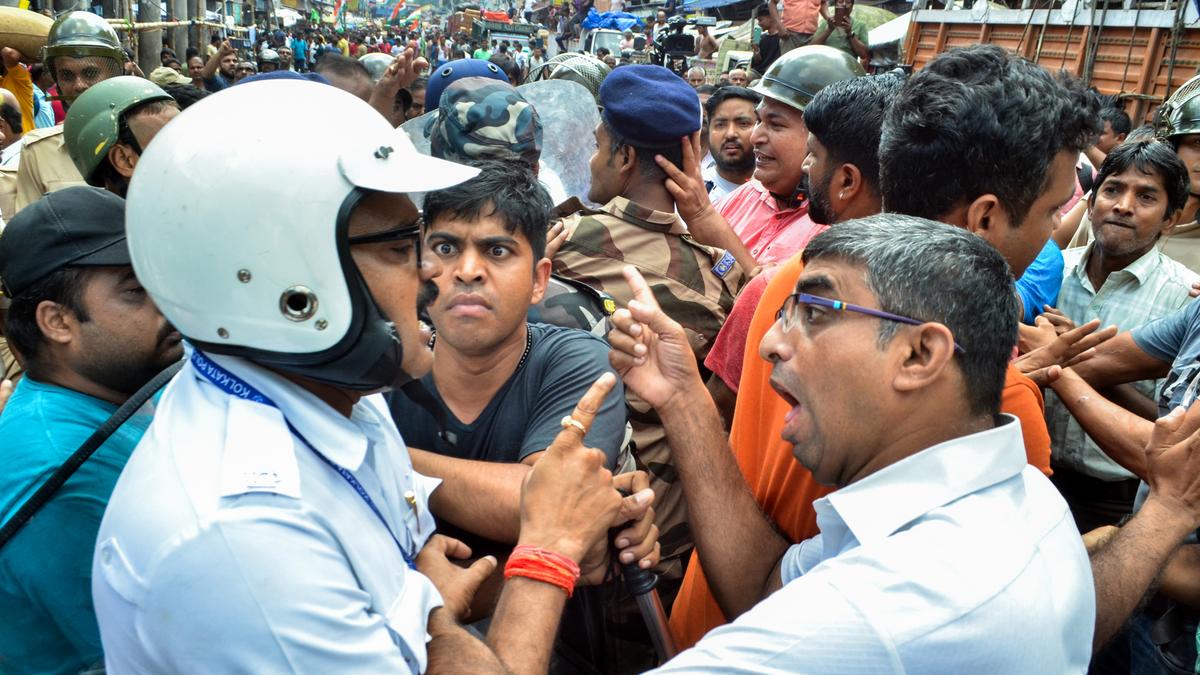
840,306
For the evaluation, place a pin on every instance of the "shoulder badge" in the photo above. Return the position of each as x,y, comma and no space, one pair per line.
724,264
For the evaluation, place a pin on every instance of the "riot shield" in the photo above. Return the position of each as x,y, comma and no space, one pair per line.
569,117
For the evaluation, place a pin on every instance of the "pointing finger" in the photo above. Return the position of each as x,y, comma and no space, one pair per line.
575,427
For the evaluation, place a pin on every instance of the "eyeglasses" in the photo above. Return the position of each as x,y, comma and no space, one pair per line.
400,233
805,309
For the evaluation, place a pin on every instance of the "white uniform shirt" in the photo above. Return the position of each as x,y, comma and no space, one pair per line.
959,559
230,546
721,186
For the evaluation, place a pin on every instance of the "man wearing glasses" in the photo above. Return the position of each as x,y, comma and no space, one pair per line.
941,549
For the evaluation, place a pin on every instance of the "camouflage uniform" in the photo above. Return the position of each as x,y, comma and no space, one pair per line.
483,118
694,284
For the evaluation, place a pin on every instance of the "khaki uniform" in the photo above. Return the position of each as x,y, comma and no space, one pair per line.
8,193
694,284
9,367
45,166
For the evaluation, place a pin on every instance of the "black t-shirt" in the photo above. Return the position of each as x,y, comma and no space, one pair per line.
525,414
768,51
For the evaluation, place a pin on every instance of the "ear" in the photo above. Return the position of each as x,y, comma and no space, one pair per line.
58,324
846,184
123,159
926,352
1170,223
987,218
541,277
626,160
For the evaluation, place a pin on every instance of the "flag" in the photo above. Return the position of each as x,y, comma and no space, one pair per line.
396,10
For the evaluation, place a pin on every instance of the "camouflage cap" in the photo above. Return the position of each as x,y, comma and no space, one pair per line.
482,118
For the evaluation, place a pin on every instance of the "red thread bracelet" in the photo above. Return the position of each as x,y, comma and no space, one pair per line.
543,565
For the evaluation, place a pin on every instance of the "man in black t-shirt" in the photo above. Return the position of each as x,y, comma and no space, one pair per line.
767,49
499,387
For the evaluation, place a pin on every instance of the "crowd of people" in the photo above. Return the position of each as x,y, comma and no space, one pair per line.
866,373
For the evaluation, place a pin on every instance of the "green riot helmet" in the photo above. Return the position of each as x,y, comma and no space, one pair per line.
583,69
797,76
1180,115
93,122
80,35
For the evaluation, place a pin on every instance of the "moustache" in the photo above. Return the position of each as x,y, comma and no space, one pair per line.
426,297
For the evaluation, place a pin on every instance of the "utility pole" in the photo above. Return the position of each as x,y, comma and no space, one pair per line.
149,42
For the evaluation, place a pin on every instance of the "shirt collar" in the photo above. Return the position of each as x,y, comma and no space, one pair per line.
642,216
1141,269
765,196
884,502
335,436
1144,266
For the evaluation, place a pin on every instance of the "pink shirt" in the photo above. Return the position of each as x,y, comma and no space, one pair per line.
772,234
800,16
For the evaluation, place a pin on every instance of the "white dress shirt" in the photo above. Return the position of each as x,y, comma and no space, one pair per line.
230,546
959,559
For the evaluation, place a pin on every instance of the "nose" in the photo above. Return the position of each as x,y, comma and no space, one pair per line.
1126,202
775,347
470,268
430,268
758,136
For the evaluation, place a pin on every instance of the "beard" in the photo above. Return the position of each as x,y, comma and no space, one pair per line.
743,165
116,368
819,208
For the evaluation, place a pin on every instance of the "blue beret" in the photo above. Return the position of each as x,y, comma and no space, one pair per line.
649,105
283,75
456,70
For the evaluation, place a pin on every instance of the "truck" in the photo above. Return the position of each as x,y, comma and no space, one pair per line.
1138,51
485,30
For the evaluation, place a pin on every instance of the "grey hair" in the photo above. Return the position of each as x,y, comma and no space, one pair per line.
935,272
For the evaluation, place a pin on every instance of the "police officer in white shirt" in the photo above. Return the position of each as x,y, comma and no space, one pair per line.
270,520
941,550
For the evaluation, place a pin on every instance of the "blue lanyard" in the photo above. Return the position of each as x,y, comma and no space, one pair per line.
233,385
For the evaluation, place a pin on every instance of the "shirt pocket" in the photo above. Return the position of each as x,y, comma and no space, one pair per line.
408,616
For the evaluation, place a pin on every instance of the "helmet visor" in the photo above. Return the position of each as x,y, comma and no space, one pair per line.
74,75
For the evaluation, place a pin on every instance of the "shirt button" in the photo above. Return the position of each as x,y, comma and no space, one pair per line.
754,252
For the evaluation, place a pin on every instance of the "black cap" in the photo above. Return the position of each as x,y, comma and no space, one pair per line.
78,226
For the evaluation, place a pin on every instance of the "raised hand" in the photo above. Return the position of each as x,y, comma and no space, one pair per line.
568,501
1044,365
1173,462
637,541
649,349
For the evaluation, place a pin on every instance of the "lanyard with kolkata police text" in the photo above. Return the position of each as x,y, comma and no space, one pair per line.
234,386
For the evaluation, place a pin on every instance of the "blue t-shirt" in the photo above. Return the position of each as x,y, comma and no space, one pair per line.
46,570
1175,339
216,83
1040,283
300,50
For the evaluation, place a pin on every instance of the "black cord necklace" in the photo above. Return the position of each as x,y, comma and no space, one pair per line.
524,354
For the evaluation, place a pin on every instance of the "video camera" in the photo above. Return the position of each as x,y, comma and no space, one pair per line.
674,47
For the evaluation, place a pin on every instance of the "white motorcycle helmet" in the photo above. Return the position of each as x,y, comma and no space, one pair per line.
238,230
